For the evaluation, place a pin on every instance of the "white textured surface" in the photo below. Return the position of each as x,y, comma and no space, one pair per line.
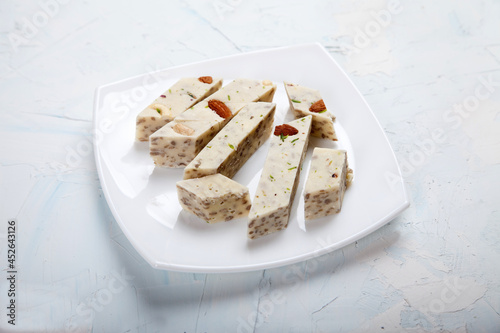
430,71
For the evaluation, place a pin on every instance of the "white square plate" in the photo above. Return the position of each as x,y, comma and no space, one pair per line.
143,198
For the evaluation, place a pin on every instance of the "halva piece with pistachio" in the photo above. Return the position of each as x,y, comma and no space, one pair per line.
306,101
326,183
214,198
279,179
235,143
246,91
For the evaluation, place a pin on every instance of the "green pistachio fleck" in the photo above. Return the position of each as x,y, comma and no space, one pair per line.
230,146
228,97
292,168
322,111
272,178
170,91
294,140
288,189
296,101
158,110
209,147
283,137
261,116
288,163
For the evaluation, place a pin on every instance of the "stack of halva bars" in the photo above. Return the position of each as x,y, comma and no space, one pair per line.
211,130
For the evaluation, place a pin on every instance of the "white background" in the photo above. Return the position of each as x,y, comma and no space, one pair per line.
431,73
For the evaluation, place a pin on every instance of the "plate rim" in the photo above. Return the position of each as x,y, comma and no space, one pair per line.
404,204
